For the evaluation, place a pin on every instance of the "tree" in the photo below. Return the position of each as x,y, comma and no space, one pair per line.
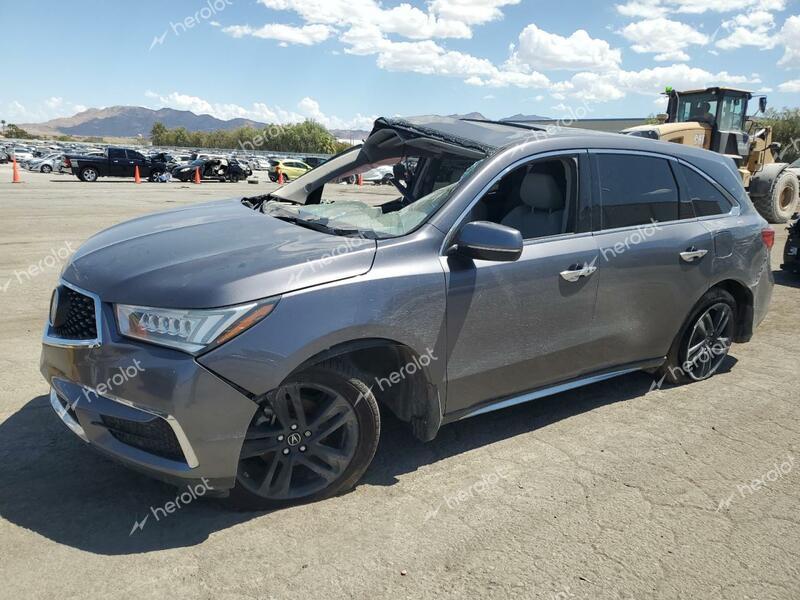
3,123
786,131
308,136
157,133
18,133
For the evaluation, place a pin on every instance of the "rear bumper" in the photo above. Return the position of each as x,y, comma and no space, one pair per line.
153,409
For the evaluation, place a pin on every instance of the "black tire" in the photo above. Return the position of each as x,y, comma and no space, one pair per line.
679,368
779,205
46,169
89,174
333,388
154,175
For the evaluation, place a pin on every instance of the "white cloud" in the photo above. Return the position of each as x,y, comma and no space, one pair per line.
37,112
666,38
444,18
792,87
659,8
579,51
307,35
790,38
307,108
749,29
590,87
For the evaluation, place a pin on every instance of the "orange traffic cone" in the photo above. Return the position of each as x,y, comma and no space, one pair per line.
15,178
280,176
360,179
197,174
136,178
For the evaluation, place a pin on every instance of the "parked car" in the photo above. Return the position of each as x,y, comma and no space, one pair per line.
46,164
4,157
21,154
791,251
220,169
115,162
314,161
259,336
291,169
378,176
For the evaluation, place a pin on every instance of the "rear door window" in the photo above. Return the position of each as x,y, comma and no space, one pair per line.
116,153
635,190
704,195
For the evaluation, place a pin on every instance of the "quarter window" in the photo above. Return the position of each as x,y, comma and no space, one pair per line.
636,190
706,198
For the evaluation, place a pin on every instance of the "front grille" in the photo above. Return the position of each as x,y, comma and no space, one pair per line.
75,316
155,437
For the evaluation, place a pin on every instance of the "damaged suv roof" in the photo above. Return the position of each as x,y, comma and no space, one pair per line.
485,136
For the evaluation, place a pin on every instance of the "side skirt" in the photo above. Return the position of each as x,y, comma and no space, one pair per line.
509,401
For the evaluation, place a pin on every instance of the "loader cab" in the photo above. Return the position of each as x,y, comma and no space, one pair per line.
722,112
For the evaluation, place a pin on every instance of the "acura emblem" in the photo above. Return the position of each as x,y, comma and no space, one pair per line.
294,439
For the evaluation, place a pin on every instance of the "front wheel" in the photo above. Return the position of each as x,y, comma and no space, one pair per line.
312,438
46,169
779,205
154,176
701,347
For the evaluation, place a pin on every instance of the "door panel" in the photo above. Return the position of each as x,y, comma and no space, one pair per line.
646,289
517,326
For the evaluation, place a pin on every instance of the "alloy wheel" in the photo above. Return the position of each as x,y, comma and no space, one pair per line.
300,442
709,341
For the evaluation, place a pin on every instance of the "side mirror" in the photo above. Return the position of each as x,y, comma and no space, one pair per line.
483,240
762,104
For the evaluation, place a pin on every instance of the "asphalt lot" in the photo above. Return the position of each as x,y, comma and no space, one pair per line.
608,492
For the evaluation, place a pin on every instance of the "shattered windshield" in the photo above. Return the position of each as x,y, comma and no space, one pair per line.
348,215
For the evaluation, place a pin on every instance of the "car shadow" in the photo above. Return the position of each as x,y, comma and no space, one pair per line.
55,485
787,279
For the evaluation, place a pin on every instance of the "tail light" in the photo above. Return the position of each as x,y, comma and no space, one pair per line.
768,236
67,163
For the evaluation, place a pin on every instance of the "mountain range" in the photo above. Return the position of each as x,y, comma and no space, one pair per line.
133,121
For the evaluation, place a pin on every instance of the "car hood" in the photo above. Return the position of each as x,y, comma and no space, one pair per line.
212,255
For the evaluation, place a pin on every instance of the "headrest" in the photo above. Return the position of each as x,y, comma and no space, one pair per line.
540,191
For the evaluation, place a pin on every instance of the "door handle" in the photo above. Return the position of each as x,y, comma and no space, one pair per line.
575,272
692,254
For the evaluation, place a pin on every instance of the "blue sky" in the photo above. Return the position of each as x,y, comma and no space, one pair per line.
344,62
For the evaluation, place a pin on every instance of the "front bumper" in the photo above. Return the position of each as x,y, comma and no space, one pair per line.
153,409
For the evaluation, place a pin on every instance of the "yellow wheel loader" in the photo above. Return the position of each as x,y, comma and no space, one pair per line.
716,119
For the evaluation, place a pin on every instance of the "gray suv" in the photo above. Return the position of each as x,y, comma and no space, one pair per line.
249,343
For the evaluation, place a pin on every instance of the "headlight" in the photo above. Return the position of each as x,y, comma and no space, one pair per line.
191,330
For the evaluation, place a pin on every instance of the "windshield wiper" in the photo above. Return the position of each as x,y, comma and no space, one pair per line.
319,226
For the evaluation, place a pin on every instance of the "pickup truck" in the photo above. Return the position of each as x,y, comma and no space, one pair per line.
116,162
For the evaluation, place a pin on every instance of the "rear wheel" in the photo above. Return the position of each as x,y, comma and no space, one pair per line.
780,204
89,174
312,438
704,342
